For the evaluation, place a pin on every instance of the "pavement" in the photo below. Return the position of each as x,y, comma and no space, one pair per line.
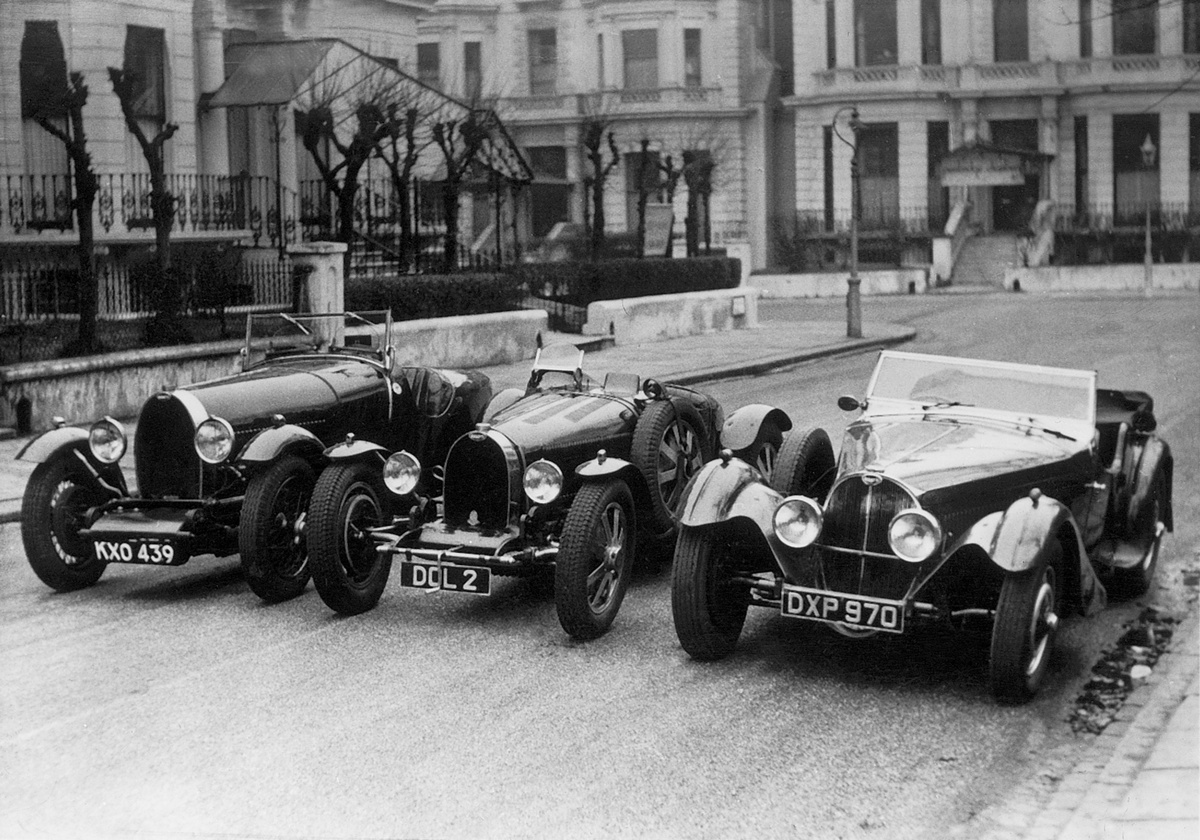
1139,779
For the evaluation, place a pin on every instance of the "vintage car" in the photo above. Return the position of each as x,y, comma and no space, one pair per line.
966,491
228,466
563,480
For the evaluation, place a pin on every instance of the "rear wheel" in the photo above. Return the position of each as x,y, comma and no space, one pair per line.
806,466
765,454
1023,635
348,571
271,533
669,447
1134,581
53,511
708,609
594,562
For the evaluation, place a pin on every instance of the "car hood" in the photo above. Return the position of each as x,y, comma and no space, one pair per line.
567,427
932,452
289,387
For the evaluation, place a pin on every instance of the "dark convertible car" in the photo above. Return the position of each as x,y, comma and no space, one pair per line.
228,466
564,480
966,490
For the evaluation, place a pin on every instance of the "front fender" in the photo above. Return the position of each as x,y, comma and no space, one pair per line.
349,450
725,490
269,444
48,443
599,469
742,428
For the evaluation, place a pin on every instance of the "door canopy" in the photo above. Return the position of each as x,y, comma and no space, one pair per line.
981,164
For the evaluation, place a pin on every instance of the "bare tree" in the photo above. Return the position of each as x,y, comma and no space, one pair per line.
70,101
460,139
670,182
167,326
594,131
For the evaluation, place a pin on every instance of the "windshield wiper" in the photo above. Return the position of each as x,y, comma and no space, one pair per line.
950,404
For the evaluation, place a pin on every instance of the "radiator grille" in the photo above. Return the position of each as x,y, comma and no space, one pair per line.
857,516
476,482
166,459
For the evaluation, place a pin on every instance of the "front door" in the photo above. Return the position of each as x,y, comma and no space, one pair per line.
1013,206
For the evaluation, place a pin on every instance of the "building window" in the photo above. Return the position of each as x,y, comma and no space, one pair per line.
938,211
874,32
1193,166
879,176
1191,26
640,47
43,70
691,58
1135,185
642,175
830,34
1085,28
145,57
1081,165
1135,27
550,191
543,62
931,31
1010,30
472,69
429,69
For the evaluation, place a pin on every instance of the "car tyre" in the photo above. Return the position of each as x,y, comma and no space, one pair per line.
350,575
1023,635
594,562
1134,581
669,447
709,613
764,456
271,533
56,500
806,465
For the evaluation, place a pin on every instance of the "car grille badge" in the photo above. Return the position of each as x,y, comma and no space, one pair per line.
872,479
473,519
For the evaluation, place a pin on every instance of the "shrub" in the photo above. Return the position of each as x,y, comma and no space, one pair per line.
581,283
412,296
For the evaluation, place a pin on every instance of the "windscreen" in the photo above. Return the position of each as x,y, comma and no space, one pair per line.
286,332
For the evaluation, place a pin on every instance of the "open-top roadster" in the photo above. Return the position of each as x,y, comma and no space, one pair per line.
966,489
565,478
228,466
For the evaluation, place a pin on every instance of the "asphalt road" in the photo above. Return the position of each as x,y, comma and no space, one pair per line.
171,703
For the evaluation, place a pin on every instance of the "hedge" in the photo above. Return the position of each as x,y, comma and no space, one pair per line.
581,283
412,296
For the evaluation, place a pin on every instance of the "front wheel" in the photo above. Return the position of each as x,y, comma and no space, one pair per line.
53,511
709,610
271,532
350,575
593,565
1134,581
1023,635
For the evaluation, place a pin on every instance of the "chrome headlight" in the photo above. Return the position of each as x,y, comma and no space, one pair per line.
797,521
543,481
401,472
214,440
107,440
914,535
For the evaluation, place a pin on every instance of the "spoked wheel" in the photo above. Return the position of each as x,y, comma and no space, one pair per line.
766,452
669,447
1134,581
708,609
1023,635
348,571
594,561
53,511
271,534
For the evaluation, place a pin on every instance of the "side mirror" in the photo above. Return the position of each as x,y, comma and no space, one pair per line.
848,403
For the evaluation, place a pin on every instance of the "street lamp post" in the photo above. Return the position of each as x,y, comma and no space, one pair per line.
1148,153
853,283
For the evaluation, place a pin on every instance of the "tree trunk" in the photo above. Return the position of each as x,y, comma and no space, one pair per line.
450,209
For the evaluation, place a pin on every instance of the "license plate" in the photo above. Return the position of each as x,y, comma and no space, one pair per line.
473,580
836,608
152,552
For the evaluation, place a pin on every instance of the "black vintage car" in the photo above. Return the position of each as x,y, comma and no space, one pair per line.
565,478
966,490
228,466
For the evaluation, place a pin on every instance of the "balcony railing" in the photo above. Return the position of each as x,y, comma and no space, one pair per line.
647,100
